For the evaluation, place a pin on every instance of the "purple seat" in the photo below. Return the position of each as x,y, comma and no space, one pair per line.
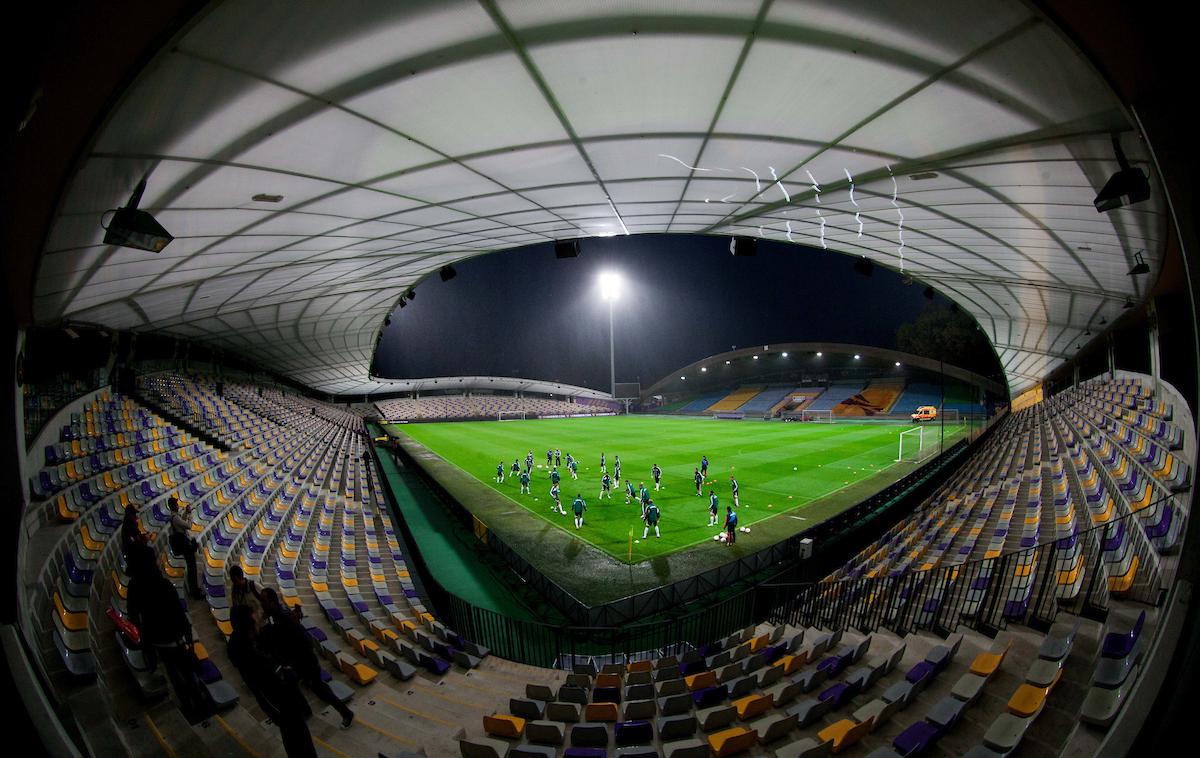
78,575
316,634
634,733
1119,645
916,738
584,752
606,695
691,667
208,671
922,671
431,664
839,694
710,696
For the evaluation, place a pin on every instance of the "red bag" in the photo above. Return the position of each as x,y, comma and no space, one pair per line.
125,626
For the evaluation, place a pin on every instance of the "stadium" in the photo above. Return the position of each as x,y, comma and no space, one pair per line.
660,379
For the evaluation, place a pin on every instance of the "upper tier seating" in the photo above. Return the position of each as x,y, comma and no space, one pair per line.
765,401
734,400
435,407
837,393
876,400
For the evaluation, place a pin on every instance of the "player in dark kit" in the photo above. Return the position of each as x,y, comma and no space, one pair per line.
524,482
713,508
656,472
733,484
617,469
500,472
516,467
730,525
704,465
651,519
549,457
630,492
557,457
602,466
606,486
579,507
699,480
644,496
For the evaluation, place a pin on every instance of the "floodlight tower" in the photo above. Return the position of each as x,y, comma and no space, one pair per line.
610,290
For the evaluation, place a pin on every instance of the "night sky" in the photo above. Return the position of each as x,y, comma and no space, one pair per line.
524,313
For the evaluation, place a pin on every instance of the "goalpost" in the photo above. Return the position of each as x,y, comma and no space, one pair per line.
824,417
510,416
916,444
951,415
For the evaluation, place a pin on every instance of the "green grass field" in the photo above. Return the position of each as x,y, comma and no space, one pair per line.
784,470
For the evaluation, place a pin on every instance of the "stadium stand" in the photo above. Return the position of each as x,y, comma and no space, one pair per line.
734,400
835,394
765,401
920,393
876,400
702,403
797,400
444,407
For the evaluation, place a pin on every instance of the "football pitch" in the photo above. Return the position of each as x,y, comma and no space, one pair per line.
784,471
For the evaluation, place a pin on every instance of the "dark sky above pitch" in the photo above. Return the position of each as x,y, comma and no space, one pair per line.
524,313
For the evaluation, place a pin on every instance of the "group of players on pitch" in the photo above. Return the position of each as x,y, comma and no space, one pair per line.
641,495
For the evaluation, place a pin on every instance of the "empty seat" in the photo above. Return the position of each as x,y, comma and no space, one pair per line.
589,735
545,732
504,725
732,741
676,727
844,733
564,712
773,727
633,733
716,717
483,747
601,712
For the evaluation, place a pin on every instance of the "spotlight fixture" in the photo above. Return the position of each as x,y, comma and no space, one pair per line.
819,353
402,302
447,273
411,294
683,378
1140,267
387,320
756,357
1103,321
726,363
130,227
857,356
864,266
703,370
1128,304
928,293
743,247
566,249
1126,187
785,354
897,364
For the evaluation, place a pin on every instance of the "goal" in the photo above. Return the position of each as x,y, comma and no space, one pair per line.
951,415
510,416
825,417
912,445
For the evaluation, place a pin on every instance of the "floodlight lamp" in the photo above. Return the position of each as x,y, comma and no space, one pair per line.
785,354
726,363
1127,186
703,370
682,378
756,357
447,273
857,356
610,285
1140,266
897,364
130,227
819,353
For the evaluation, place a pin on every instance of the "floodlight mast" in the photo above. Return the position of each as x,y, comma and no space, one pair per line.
610,290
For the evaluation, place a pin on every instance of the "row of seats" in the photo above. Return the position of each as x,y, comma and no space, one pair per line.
481,406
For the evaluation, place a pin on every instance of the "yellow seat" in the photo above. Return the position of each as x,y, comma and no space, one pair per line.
358,672
701,680
200,651
608,680
985,664
225,627
601,712
752,705
732,741
75,622
365,646
1029,699
504,725
1125,581
845,733
759,642
638,666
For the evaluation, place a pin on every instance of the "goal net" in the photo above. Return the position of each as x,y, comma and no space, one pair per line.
951,415
510,416
825,417
912,445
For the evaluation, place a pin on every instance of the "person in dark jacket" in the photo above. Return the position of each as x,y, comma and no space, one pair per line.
155,608
286,638
131,533
273,686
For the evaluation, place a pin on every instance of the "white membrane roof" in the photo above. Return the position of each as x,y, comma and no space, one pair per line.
406,135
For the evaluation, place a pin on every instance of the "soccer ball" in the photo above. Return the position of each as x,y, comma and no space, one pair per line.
717,537
794,468
745,530
637,542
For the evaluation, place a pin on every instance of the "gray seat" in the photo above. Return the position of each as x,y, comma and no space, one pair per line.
571,694
1102,704
539,692
579,680
483,747
638,677
690,748
637,751
341,691
784,692
742,686
589,734
1042,672
666,661
878,709
532,751
769,676
946,712
675,727
398,668
968,687
729,673
587,667
672,687
718,660
639,710
901,692
1006,732
613,668
774,726
1112,672
808,710
666,673
639,692
223,695
812,678
883,752
545,732
717,717
982,751
1057,644
567,713
805,747
675,704
530,710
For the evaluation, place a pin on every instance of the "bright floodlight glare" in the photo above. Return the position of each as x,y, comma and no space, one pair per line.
819,353
682,378
785,355
726,363
857,356
756,357
703,369
610,285
897,364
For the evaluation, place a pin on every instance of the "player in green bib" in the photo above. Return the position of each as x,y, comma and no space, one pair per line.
579,507
651,519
